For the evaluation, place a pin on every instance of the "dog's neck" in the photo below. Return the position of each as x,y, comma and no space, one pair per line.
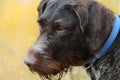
113,35
103,68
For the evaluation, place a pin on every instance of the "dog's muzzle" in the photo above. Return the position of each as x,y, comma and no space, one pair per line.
37,49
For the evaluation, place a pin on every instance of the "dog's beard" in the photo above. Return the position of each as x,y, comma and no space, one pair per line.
49,69
57,76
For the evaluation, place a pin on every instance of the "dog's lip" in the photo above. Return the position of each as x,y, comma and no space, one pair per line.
34,70
31,69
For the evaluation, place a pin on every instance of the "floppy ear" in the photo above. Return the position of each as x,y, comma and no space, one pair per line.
99,25
42,6
95,22
81,11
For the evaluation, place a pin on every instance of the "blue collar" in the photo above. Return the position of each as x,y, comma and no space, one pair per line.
112,37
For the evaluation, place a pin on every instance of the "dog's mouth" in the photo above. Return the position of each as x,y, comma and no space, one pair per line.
55,75
49,69
50,74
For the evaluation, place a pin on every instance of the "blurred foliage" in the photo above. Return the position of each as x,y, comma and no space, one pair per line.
18,31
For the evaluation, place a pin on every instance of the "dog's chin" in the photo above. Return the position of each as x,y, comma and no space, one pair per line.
49,74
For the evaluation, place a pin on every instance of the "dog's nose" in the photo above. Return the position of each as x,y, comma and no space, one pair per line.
30,60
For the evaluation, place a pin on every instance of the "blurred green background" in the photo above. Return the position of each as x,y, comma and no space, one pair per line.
18,31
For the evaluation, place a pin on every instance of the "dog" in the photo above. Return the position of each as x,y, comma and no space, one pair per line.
76,33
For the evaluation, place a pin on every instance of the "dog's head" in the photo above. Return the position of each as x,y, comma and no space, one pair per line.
71,33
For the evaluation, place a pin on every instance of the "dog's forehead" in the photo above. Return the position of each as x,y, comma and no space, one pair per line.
53,7
64,1
61,3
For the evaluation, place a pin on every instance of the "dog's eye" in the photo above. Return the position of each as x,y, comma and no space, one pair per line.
61,29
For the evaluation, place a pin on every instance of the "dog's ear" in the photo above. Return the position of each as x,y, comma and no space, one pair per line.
99,25
42,6
81,11
95,21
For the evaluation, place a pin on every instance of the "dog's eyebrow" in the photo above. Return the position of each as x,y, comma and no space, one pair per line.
58,21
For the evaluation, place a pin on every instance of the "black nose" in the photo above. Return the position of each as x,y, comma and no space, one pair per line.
29,61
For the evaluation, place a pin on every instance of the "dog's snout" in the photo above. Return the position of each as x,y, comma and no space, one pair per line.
38,49
30,60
